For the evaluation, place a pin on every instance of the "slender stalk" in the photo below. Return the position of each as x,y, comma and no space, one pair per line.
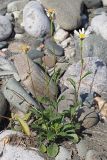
82,66
31,76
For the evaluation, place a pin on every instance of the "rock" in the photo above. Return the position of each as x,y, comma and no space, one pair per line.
93,155
16,151
18,29
88,117
99,25
38,61
19,20
98,11
36,23
69,52
49,61
91,83
5,28
54,48
67,12
3,104
17,96
104,3
67,102
94,45
61,35
38,42
3,10
7,69
92,3
37,76
16,14
63,154
82,148
17,47
2,54
3,44
66,42
59,67
10,17
16,5
34,54
19,36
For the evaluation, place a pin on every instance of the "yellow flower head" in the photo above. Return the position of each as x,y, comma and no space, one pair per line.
82,34
50,12
24,48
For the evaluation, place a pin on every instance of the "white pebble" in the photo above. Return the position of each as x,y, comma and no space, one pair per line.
61,35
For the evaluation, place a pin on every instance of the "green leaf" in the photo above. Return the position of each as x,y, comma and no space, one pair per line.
72,82
43,148
51,136
60,99
74,137
73,110
52,150
86,74
62,134
27,116
24,125
67,126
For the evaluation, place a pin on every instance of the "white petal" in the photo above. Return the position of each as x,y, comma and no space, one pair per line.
80,31
87,32
76,33
83,30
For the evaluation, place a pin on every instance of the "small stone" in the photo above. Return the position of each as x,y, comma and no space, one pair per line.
5,28
16,47
38,61
104,3
69,52
3,10
61,35
10,16
19,36
49,60
93,155
36,23
34,54
4,50
88,117
18,29
38,42
82,148
3,44
2,54
3,104
16,14
99,25
63,154
54,48
66,42
92,3
16,5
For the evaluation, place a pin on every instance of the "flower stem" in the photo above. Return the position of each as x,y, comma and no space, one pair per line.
82,65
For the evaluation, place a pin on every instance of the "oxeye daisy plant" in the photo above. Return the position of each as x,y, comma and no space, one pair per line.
81,34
